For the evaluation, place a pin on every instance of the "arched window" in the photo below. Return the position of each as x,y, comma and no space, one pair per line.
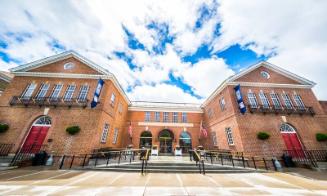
185,141
43,120
287,128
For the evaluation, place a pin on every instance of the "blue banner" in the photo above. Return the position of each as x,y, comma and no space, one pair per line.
97,93
239,99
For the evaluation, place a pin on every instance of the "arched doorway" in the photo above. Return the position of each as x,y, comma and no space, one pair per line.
185,141
146,139
36,135
291,139
166,141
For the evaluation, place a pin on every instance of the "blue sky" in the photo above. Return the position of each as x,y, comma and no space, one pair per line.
167,51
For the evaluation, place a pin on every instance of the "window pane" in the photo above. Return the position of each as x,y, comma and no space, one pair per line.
275,100
56,91
83,93
287,101
264,100
252,100
157,116
43,91
147,116
175,117
29,90
69,92
229,136
184,117
115,136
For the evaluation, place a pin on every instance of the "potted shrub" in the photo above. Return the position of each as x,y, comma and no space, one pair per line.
72,130
321,137
263,135
3,127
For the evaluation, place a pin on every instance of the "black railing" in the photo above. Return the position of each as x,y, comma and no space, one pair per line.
103,159
236,159
48,101
281,110
5,149
307,157
26,154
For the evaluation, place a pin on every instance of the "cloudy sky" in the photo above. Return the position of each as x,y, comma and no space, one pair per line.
171,50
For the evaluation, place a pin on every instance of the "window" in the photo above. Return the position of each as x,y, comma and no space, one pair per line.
83,93
120,108
56,91
287,101
105,133
184,117
29,91
222,104
298,101
264,100
265,74
252,100
214,138
275,100
166,117
147,116
157,116
229,135
43,91
69,92
175,117
113,97
114,141
69,66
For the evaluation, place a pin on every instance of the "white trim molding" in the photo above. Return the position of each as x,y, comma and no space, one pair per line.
165,124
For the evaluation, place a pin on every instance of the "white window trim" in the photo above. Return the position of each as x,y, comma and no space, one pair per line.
112,99
56,90
252,100
264,100
298,101
115,137
43,91
275,99
84,90
184,117
157,116
147,117
69,98
287,99
222,104
175,117
29,89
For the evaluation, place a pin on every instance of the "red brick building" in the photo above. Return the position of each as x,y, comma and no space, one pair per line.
49,95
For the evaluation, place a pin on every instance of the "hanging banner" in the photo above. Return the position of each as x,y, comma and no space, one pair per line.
239,99
97,92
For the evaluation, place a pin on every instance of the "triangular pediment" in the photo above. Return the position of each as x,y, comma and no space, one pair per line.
68,63
264,72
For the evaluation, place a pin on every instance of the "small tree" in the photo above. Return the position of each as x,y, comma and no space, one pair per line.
3,127
72,130
321,137
263,135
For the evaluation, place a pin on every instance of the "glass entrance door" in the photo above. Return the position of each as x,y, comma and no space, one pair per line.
166,145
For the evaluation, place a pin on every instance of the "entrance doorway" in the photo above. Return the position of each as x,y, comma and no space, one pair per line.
291,139
185,142
146,139
36,135
166,141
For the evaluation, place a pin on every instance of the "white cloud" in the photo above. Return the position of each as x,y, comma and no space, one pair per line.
295,31
162,92
206,75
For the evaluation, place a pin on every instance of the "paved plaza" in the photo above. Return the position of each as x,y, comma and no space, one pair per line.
39,181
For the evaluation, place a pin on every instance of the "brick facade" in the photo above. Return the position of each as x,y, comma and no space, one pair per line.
215,116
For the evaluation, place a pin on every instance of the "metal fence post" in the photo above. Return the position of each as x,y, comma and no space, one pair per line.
84,161
62,162
243,161
265,163
119,158
96,160
71,163
108,159
255,166
221,158
232,159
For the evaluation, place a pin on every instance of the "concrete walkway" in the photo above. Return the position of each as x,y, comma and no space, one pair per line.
36,181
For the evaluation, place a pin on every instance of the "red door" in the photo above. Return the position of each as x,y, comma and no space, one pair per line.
35,139
293,144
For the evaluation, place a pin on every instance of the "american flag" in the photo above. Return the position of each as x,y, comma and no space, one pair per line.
203,131
130,131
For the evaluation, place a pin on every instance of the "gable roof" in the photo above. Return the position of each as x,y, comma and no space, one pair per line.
305,83
58,57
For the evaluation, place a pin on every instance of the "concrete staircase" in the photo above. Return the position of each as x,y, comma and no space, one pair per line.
166,167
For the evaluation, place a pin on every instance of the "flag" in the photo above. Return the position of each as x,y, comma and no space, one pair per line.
97,92
130,131
203,131
239,99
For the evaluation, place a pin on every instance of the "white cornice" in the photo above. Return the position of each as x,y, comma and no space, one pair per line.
165,124
77,76
304,83
165,109
58,57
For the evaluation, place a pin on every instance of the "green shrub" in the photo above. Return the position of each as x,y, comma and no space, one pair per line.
263,135
3,127
321,137
72,130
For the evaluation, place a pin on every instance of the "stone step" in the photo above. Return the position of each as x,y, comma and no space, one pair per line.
175,170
